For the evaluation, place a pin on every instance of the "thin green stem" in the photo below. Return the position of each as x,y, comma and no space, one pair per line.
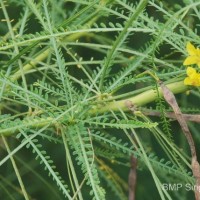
16,170
72,175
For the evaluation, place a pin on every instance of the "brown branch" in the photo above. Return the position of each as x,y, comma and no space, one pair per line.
171,100
132,178
171,115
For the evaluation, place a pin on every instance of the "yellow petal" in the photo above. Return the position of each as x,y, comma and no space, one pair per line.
191,71
190,60
193,77
187,81
191,49
197,58
196,83
198,51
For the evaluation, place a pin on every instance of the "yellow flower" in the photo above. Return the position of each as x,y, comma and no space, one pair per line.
193,77
194,55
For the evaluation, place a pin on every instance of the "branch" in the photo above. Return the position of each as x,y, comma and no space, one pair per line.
171,115
132,178
171,100
138,100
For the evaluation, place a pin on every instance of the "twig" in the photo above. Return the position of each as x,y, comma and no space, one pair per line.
171,115
132,178
171,100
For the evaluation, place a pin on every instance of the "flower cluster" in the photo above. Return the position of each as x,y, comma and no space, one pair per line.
193,58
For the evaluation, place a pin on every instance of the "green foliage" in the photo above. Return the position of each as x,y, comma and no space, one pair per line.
68,70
